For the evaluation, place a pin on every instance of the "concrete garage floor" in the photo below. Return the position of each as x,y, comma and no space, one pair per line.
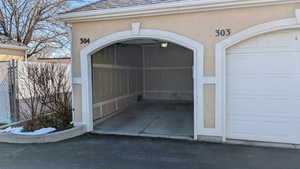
120,152
152,118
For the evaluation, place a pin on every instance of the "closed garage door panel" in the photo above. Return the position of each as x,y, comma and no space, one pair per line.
263,88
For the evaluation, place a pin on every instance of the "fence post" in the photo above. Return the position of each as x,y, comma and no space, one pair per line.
16,88
10,86
14,103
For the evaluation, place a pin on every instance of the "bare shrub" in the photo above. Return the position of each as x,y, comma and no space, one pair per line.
45,95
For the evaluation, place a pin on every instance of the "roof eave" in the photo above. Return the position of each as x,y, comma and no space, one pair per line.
166,8
15,47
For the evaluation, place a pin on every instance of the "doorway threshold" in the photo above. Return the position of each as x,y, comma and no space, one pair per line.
142,135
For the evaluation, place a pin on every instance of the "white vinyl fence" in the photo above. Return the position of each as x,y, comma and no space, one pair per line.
14,83
4,93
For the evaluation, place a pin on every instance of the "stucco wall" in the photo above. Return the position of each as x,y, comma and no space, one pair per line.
8,54
199,26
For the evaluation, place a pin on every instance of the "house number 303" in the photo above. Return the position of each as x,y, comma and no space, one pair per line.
223,32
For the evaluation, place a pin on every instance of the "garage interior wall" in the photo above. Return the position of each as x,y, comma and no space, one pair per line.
117,78
168,72
121,72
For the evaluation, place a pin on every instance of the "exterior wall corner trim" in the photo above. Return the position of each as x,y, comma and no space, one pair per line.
298,15
76,80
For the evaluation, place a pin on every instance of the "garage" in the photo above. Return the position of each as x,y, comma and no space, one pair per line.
262,88
143,87
217,72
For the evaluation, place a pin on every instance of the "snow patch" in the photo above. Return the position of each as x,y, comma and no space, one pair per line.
18,131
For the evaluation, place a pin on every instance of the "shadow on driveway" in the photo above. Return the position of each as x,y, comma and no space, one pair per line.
118,152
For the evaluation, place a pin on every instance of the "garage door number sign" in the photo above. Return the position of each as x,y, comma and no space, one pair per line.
223,32
84,40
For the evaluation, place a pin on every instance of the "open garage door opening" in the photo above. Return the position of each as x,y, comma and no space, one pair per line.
143,87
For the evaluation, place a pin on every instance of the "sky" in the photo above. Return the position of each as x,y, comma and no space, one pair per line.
78,4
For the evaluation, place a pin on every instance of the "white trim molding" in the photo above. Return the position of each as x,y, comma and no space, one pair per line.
298,15
114,66
86,77
16,47
100,104
135,27
209,80
76,80
187,6
221,47
170,91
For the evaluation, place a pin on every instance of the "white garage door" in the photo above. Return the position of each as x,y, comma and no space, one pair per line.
263,88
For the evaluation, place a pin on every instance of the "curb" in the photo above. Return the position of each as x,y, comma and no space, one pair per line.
47,138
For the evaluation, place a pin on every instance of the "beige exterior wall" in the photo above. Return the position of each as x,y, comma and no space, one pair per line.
199,26
8,54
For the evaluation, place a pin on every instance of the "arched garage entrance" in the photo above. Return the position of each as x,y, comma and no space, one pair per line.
86,67
143,87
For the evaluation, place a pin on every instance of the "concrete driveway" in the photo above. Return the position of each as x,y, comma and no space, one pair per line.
117,152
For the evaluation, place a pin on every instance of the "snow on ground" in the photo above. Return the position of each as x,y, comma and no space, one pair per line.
18,131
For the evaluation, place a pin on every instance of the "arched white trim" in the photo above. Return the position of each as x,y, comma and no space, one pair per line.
86,79
221,48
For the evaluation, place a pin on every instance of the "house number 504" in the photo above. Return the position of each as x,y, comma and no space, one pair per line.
223,32
84,40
